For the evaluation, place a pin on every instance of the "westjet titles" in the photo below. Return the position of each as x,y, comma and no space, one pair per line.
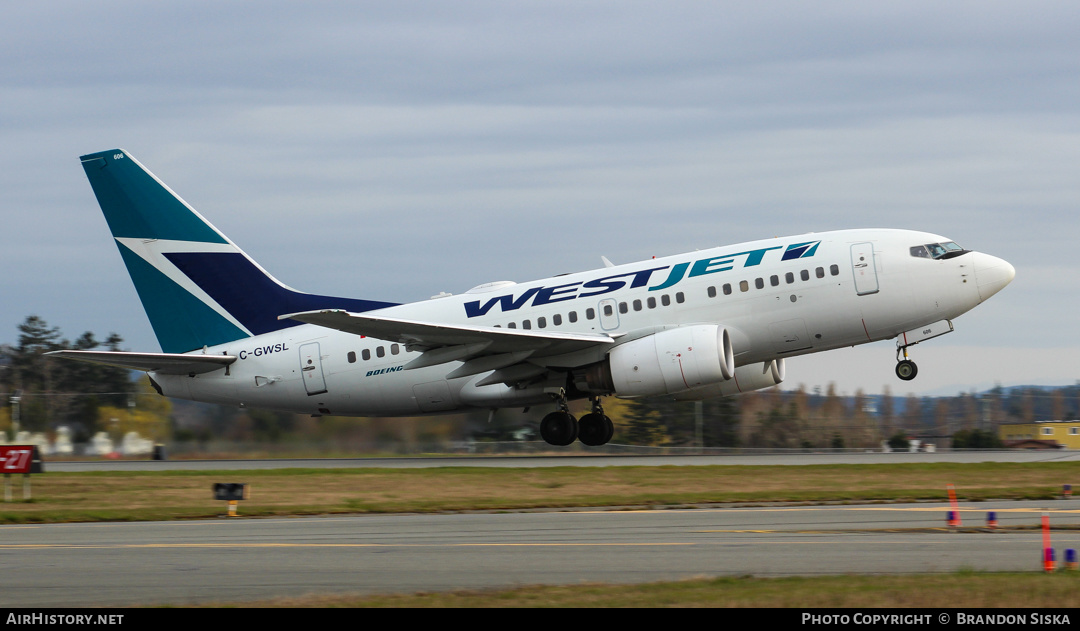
569,291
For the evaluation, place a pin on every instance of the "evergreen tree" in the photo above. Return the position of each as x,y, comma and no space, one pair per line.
57,392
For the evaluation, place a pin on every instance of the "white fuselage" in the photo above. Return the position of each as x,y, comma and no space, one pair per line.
854,287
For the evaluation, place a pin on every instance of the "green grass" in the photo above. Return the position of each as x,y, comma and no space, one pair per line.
131,496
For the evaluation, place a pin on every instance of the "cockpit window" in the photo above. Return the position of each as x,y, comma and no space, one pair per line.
945,250
936,250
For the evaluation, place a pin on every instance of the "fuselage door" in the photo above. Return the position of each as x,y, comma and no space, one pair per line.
609,314
311,369
862,264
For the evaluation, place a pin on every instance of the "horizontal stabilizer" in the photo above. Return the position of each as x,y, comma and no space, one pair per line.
165,363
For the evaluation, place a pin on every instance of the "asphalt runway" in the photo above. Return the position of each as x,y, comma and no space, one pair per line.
238,559
575,460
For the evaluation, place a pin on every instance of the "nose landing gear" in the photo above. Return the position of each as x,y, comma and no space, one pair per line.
905,368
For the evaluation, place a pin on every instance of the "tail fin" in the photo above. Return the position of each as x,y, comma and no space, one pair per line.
197,287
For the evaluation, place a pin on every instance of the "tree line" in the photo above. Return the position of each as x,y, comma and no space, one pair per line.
42,394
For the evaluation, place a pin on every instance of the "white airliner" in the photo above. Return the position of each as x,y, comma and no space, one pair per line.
708,323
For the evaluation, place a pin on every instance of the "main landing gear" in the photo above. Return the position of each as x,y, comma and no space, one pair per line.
561,428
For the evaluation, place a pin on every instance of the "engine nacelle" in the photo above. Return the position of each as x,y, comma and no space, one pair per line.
667,362
747,378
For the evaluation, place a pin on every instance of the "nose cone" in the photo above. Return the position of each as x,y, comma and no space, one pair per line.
991,274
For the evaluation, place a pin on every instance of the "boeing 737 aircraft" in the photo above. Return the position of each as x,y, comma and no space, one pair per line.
708,323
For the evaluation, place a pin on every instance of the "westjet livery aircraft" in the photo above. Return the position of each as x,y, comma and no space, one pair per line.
708,323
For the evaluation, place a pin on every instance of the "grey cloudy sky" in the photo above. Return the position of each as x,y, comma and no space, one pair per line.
395,150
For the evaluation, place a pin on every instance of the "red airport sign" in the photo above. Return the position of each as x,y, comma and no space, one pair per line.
18,459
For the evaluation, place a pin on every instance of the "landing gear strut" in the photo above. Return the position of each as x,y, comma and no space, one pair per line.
595,428
905,368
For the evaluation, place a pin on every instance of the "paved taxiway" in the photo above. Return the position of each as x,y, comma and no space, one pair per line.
63,565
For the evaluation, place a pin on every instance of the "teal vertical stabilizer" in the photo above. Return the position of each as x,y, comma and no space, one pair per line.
197,287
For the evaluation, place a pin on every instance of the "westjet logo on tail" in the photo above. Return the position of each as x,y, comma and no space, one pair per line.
678,272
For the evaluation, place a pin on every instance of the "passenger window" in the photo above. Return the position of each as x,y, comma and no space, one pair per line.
805,274
608,310
623,307
774,280
511,325
680,298
712,292
665,300
352,357
394,349
834,270
789,277
556,319
727,289
820,272
637,305
541,322
366,354
573,316
380,352
759,283
744,286
526,324
651,302
590,314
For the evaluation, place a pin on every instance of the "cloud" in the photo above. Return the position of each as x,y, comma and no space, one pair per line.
395,151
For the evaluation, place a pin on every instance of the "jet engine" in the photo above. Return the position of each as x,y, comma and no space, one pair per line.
675,360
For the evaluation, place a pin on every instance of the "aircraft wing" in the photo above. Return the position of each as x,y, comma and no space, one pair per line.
165,363
486,348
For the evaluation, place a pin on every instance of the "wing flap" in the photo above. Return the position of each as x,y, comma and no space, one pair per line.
165,363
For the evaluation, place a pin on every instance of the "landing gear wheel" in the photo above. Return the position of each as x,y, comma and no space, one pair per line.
595,429
907,370
559,428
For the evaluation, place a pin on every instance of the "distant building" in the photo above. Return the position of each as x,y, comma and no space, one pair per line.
1065,433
